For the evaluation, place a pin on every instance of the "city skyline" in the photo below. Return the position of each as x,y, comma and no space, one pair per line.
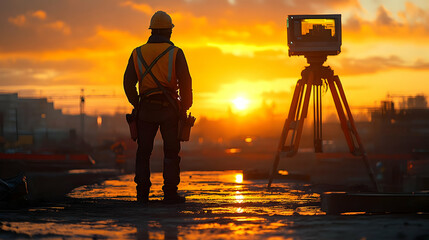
236,50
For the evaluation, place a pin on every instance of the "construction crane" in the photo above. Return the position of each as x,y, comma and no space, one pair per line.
82,99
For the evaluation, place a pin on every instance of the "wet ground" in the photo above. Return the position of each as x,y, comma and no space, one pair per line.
219,206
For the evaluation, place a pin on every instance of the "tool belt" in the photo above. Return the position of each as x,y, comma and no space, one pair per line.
158,99
159,102
132,124
185,125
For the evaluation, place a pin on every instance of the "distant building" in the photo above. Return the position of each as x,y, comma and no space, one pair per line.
402,130
394,127
34,122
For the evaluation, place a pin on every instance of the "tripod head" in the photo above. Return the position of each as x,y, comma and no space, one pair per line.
316,59
316,69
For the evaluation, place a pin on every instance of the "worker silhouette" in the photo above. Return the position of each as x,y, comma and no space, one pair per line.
161,70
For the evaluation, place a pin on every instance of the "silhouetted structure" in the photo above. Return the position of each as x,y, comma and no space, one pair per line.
403,130
30,124
318,33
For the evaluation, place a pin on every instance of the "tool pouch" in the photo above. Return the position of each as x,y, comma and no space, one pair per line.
185,125
132,124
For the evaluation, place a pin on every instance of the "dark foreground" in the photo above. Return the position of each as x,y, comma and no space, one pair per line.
218,206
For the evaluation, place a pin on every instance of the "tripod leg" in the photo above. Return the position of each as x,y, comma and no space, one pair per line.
297,95
317,122
301,114
341,115
352,126
348,125
293,124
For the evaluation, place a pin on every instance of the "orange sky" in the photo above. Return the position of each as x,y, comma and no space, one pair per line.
235,49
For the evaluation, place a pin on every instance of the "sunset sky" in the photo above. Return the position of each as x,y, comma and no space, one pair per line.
236,50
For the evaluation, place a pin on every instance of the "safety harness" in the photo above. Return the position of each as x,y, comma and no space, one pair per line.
149,71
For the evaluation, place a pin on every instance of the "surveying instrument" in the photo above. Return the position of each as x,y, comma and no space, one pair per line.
315,37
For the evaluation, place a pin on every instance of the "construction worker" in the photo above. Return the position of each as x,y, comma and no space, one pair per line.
159,59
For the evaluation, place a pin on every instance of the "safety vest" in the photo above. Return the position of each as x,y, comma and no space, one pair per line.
164,70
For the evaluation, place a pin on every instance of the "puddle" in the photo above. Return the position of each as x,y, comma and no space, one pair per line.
220,205
224,191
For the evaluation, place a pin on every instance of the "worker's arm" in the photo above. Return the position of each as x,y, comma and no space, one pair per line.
130,81
185,80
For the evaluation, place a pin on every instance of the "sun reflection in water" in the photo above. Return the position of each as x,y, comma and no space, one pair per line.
237,206
239,210
239,197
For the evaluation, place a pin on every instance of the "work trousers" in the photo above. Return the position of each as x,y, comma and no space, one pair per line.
154,116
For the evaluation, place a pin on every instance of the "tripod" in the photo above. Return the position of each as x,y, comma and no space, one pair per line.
312,80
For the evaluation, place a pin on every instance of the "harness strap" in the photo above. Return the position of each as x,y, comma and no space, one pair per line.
148,70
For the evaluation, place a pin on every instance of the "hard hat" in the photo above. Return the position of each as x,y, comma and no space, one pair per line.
161,20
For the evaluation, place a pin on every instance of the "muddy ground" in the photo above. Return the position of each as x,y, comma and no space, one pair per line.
219,206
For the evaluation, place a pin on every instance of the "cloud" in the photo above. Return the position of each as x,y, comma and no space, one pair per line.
196,21
369,65
27,18
413,14
384,17
421,64
246,50
29,21
409,25
28,76
100,60
144,8
59,26
266,29
39,14
353,23
19,20
210,68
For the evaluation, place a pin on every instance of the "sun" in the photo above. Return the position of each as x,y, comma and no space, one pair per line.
239,178
240,103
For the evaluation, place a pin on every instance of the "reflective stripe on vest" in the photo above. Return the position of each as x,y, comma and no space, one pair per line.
164,69
170,64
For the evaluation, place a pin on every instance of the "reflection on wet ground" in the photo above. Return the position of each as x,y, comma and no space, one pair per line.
220,205
218,192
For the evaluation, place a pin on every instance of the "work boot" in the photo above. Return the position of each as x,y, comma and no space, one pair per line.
173,198
142,195
143,199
